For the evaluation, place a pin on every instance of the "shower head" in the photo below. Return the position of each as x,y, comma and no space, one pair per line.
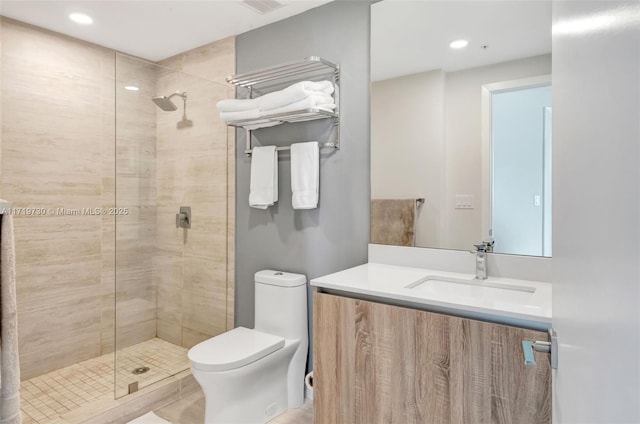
165,103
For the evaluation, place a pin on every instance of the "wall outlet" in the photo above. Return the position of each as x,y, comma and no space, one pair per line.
537,200
464,201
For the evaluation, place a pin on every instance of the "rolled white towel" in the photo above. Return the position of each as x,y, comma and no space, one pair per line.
309,102
237,105
294,93
236,116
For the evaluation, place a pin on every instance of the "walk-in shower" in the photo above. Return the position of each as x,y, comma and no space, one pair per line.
111,295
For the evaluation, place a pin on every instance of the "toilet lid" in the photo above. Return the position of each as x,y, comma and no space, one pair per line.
233,349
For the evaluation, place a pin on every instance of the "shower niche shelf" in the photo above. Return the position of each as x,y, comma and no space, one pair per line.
266,80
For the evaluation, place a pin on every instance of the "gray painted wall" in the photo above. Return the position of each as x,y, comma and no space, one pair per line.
334,236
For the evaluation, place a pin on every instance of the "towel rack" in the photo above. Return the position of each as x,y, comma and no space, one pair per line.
285,148
266,79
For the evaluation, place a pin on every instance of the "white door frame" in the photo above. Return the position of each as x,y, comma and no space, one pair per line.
487,91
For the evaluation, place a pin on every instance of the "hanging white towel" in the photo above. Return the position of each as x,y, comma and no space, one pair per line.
263,188
9,357
305,175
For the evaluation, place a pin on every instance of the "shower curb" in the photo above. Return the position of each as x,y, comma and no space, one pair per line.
127,408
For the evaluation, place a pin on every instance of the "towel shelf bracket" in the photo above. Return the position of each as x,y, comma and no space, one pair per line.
266,79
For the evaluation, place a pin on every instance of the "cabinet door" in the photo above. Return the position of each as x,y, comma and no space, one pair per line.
333,359
376,363
488,379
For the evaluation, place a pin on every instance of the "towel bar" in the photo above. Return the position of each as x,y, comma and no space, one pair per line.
284,148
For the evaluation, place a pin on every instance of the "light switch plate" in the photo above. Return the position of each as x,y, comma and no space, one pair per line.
464,201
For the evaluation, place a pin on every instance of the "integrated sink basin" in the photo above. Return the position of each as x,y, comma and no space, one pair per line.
439,282
483,292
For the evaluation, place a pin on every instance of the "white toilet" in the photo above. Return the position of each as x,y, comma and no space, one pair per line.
251,376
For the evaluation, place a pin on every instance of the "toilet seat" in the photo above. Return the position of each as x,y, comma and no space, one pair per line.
233,349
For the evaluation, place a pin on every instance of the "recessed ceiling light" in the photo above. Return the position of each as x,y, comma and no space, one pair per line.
458,44
81,18
131,88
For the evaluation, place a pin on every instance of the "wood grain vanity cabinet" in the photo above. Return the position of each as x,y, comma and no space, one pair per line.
376,363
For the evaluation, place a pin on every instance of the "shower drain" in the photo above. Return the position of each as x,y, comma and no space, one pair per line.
140,370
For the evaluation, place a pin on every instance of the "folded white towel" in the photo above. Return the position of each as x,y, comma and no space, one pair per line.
309,102
237,105
305,175
263,188
243,114
315,98
262,123
294,93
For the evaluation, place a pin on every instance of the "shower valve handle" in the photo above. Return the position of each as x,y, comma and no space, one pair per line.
183,218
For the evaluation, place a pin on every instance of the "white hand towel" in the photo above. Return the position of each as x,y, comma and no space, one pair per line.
294,93
237,105
263,188
305,175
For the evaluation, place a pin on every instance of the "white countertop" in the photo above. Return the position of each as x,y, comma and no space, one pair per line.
493,304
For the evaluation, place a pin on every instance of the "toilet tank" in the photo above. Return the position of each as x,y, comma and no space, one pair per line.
281,304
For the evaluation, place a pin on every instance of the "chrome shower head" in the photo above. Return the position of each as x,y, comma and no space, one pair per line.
165,103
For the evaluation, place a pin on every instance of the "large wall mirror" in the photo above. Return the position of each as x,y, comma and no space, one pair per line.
461,124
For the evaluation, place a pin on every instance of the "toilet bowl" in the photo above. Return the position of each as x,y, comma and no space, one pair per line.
250,376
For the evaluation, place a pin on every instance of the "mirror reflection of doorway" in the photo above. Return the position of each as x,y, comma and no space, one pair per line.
521,170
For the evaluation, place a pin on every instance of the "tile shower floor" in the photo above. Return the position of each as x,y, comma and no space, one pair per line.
47,398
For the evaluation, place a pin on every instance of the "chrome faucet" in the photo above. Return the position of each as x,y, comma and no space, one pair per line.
481,258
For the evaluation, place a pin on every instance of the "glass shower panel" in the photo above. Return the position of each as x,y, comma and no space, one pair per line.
170,266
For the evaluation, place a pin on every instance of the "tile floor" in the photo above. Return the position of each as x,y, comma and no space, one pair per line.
162,358
190,410
47,397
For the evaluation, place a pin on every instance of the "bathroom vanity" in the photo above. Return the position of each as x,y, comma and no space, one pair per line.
408,345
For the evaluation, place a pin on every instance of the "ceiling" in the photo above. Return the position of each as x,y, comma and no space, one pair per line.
408,37
152,30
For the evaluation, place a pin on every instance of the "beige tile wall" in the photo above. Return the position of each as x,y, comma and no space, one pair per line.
58,114
53,123
195,168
